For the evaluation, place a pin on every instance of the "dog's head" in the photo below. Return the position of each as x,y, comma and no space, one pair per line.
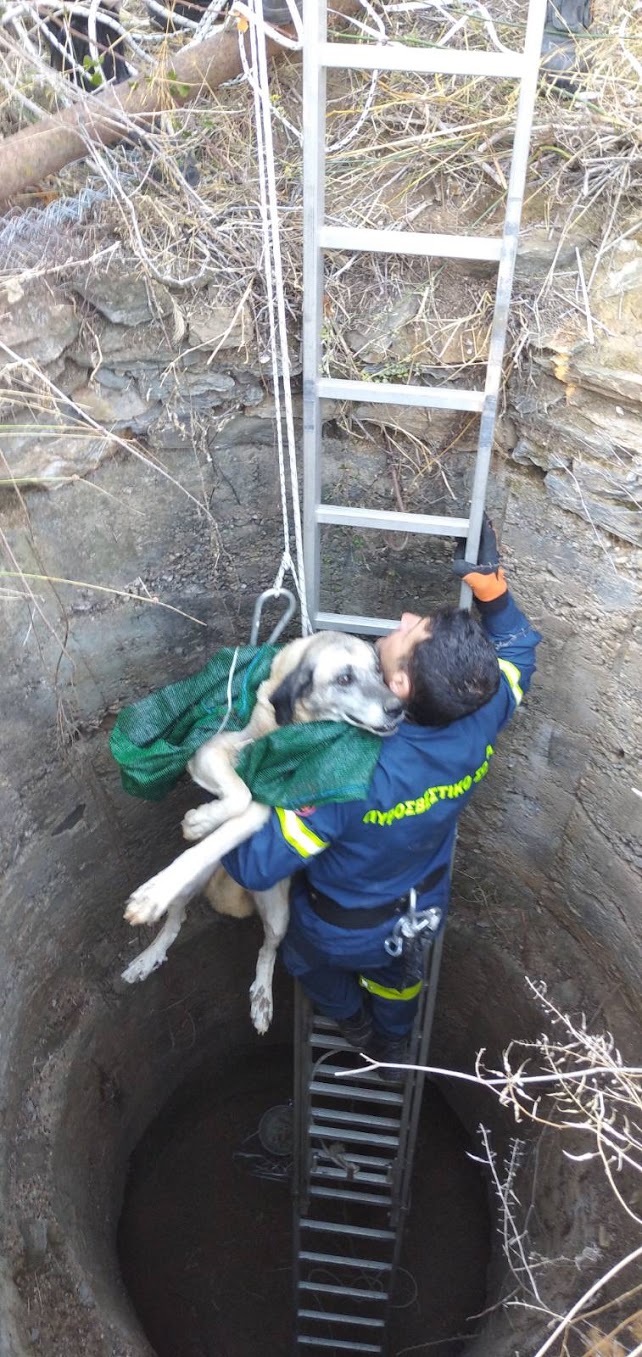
338,678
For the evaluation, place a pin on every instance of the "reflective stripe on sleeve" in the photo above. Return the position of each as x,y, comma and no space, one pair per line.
373,988
513,675
298,834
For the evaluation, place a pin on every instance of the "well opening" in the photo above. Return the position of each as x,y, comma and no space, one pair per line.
205,1233
138,1115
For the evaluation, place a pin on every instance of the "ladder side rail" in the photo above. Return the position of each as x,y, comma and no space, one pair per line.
315,24
301,1112
301,1139
415,1086
515,198
413,1090
301,1157
423,1046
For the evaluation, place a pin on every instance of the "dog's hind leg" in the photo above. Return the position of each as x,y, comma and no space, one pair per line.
188,873
156,953
273,907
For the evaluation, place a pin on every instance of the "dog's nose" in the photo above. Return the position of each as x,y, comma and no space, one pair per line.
392,706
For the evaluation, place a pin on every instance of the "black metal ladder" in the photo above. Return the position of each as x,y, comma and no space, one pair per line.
354,1143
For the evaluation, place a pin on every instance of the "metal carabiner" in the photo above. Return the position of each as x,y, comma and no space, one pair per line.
412,924
408,921
283,621
394,944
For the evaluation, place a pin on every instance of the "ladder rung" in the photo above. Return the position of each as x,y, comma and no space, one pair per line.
400,393
424,60
350,1195
363,1231
333,1318
351,1292
331,1043
356,1118
361,626
363,1076
335,1260
392,520
344,1133
322,1024
368,1161
342,1089
345,1343
410,242
340,1175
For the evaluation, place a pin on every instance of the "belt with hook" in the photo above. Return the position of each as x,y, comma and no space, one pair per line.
413,924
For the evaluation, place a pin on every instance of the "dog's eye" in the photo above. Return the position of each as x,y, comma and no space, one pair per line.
345,678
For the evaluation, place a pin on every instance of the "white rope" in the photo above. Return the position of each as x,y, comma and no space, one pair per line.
378,32
275,291
251,12
230,679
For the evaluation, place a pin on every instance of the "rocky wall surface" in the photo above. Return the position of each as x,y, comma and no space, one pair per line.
145,464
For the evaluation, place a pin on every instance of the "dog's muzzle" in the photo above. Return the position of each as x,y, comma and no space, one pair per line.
392,713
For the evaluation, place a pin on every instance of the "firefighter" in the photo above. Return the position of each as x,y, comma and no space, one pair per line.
354,864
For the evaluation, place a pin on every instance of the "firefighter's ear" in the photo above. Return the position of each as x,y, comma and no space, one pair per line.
291,690
399,684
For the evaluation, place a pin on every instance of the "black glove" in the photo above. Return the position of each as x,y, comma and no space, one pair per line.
486,578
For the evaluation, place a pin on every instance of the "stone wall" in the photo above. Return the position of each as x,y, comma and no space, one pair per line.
158,481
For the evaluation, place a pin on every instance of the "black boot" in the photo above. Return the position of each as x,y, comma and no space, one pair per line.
357,1030
392,1051
561,54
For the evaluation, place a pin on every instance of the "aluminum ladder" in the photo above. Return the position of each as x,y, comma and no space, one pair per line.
354,1137
319,55
354,1141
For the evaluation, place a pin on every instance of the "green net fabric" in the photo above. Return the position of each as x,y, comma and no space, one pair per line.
294,766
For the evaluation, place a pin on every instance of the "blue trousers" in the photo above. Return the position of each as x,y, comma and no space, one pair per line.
339,994
339,973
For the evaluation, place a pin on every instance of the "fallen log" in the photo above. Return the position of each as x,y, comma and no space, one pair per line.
106,117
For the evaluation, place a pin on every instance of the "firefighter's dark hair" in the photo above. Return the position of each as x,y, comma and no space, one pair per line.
453,672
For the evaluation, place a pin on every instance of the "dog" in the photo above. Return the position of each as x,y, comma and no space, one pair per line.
327,677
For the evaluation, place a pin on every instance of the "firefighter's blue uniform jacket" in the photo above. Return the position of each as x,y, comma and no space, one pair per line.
366,853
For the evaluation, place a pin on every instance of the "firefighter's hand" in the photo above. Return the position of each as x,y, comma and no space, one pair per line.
486,578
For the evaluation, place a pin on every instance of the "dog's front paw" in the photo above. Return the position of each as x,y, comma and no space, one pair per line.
148,903
260,1007
200,822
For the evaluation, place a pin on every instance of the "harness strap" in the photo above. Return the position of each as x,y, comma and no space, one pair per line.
355,918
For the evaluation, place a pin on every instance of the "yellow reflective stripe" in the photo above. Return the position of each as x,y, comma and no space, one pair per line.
298,834
513,675
373,988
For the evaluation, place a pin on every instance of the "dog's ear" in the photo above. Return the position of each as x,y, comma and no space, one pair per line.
293,687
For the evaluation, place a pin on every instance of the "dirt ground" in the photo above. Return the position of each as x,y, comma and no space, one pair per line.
205,1243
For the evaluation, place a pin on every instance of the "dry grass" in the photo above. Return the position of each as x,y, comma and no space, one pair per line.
433,153
406,152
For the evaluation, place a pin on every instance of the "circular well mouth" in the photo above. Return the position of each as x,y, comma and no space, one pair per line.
169,1078
205,1236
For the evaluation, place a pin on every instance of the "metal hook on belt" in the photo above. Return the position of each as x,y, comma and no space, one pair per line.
411,925
283,621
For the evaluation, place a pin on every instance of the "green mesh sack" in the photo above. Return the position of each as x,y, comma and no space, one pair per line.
153,740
